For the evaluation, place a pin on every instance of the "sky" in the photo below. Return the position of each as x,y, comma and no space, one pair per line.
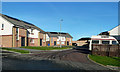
80,19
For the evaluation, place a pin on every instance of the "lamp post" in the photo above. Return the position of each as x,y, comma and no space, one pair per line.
60,32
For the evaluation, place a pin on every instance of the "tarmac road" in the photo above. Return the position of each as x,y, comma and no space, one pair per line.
71,59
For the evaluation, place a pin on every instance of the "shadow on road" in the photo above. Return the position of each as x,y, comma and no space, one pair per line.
82,49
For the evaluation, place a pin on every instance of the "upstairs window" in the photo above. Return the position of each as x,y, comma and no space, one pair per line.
114,42
70,40
2,26
105,42
51,39
16,30
95,42
31,30
17,33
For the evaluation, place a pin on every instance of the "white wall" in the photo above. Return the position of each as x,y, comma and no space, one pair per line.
47,37
61,38
7,27
115,31
35,33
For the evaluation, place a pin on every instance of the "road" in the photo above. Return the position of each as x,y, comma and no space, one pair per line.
71,59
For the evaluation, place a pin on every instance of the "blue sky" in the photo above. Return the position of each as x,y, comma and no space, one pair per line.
80,19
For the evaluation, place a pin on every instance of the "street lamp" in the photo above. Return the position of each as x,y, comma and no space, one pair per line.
60,32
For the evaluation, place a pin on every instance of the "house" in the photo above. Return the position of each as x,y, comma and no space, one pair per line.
111,37
115,32
102,40
57,38
17,33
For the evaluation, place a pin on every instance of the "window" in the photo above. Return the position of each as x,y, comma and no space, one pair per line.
51,39
2,26
95,41
58,43
32,40
70,40
17,34
16,30
62,38
105,42
62,42
104,36
31,30
114,42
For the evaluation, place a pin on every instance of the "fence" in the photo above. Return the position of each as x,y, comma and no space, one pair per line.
106,50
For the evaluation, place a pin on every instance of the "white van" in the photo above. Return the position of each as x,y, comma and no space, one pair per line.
102,39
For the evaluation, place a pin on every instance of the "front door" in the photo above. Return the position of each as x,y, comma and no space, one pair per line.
40,42
22,41
54,43
67,42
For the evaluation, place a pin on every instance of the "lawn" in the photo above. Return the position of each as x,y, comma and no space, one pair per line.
113,61
47,48
15,50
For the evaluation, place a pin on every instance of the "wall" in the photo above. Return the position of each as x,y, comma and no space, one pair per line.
69,39
6,40
22,33
106,50
54,39
82,42
47,37
6,33
34,34
115,31
7,27
63,41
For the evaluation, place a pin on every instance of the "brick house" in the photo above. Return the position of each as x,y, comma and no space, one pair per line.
35,36
57,38
17,33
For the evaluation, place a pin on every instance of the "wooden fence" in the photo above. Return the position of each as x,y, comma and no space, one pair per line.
106,50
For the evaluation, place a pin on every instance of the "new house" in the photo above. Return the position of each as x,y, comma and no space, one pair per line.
57,38
17,33
115,32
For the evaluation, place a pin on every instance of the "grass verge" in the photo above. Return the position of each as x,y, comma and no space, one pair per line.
113,61
47,48
15,50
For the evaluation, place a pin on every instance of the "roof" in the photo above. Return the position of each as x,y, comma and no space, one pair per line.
115,27
104,33
107,32
87,38
21,23
56,34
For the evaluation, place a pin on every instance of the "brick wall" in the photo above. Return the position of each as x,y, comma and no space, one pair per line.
22,33
54,39
6,41
68,39
106,50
